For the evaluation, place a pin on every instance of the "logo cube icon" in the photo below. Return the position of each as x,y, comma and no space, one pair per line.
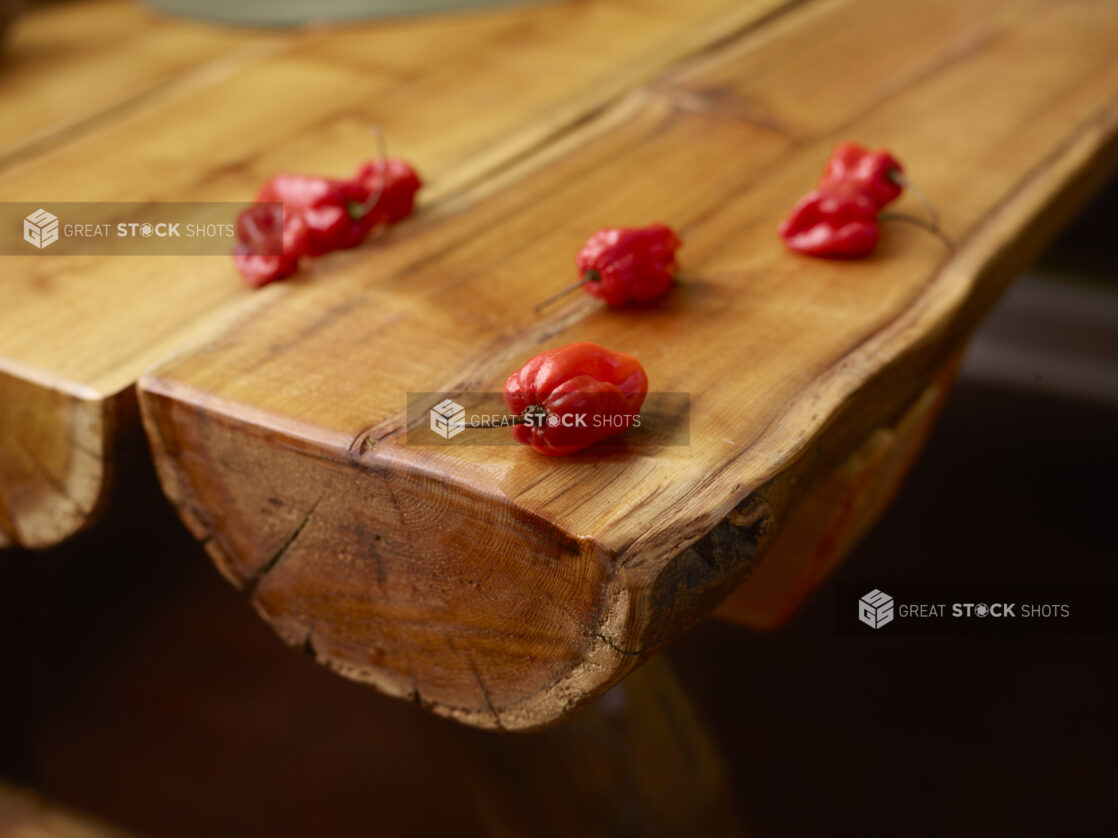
875,609
40,228
448,419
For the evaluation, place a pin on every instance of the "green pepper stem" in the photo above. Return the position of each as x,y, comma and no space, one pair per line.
590,276
355,210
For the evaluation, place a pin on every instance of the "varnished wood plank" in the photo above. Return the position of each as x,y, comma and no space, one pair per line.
502,589
460,96
66,68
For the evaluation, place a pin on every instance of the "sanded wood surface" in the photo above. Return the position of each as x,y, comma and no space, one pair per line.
195,113
503,589
68,67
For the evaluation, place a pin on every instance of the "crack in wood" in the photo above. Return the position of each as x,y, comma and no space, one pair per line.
257,576
634,653
484,691
308,646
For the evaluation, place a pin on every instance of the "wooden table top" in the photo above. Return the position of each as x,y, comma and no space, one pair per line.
485,582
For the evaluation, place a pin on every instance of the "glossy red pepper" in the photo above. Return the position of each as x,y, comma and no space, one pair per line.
876,173
379,193
320,215
321,204
575,395
839,221
397,198
269,243
620,264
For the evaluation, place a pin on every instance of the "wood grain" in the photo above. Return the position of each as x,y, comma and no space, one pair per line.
53,459
68,68
504,590
460,96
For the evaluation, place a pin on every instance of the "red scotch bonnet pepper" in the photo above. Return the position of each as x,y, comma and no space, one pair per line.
620,264
837,221
839,218
297,216
573,396
876,173
623,264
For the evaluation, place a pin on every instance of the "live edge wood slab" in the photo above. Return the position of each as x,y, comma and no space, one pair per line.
102,100
504,589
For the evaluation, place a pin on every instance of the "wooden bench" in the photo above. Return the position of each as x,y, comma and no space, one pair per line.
484,582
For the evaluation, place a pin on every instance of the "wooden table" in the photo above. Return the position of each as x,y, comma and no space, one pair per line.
486,583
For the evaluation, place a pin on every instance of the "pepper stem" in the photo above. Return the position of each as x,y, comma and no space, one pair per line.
921,223
356,210
590,276
898,178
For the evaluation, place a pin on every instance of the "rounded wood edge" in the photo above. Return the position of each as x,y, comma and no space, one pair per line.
832,513
56,461
433,592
